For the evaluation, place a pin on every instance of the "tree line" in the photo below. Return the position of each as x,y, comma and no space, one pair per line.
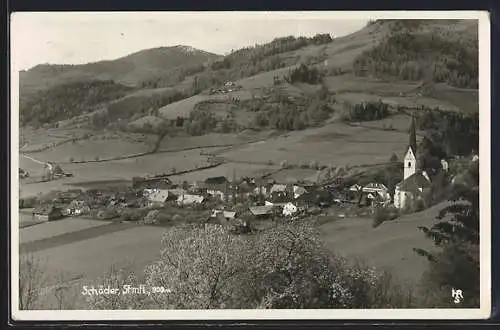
411,56
453,133
68,100
241,63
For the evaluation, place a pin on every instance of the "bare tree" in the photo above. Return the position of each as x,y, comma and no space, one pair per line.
31,279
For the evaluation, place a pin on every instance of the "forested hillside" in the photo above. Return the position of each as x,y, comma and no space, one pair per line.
411,52
68,100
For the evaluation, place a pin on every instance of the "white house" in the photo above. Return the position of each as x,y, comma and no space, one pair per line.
188,199
298,191
355,187
260,190
278,188
226,214
444,165
290,209
377,188
156,196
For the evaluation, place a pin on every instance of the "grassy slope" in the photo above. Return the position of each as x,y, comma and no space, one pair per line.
388,246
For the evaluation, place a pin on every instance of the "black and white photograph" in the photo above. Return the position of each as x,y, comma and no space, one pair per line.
250,165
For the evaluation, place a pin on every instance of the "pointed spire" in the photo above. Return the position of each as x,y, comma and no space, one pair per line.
413,136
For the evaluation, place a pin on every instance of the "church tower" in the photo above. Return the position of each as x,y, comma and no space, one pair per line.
410,160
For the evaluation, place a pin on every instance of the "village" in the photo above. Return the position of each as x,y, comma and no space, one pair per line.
240,203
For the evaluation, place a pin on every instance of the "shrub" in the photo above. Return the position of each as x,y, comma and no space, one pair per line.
150,218
71,159
394,158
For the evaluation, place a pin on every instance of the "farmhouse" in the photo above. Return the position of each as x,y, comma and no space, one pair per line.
298,191
156,196
188,199
226,214
218,190
47,212
444,165
262,211
378,189
216,180
416,184
78,207
290,209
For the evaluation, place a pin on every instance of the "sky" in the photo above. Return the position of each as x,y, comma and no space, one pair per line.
76,38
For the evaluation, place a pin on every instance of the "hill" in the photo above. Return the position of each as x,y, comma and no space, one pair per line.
129,70
280,79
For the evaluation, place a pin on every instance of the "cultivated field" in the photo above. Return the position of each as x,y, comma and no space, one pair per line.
55,228
333,144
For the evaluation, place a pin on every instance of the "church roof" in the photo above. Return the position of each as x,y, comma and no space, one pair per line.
414,182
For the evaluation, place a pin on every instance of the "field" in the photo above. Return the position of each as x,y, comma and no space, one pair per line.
91,257
84,250
389,246
55,228
333,144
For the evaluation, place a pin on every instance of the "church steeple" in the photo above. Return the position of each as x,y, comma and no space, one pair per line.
413,136
410,160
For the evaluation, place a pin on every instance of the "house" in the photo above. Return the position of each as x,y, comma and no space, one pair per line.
416,183
177,192
281,192
355,188
379,189
245,189
216,180
444,165
262,211
156,196
78,207
298,191
47,212
278,188
218,190
261,190
198,187
188,199
290,209
226,214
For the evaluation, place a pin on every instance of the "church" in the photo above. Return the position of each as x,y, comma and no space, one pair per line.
416,183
